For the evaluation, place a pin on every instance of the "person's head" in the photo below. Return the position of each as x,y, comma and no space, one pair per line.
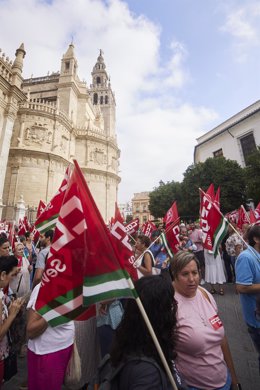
142,243
29,236
8,269
22,239
132,336
46,238
185,273
4,246
253,237
18,249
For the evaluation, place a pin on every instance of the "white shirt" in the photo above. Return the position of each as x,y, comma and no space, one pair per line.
52,339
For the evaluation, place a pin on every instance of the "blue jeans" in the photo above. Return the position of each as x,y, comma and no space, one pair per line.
255,336
225,387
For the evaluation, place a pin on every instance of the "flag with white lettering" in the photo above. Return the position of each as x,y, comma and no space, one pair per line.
148,228
243,217
49,216
214,225
132,227
171,215
83,266
41,208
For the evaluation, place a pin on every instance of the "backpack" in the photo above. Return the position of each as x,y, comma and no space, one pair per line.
106,376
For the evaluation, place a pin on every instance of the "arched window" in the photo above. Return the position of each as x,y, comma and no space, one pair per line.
106,99
98,80
101,99
95,99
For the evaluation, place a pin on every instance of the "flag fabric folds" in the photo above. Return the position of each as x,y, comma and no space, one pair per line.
214,225
148,228
133,226
171,215
243,217
85,265
49,216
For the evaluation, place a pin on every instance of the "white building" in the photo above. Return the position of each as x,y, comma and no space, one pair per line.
234,139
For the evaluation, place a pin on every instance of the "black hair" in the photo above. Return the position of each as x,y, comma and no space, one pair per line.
49,234
7,263
3,240
145,240
253,231
27,234
132,336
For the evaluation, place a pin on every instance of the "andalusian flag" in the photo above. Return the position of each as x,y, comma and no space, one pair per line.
86,263
48,218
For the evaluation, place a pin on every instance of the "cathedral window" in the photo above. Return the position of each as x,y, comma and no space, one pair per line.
248,145
67,65
95,98
98,80
101,99
106,99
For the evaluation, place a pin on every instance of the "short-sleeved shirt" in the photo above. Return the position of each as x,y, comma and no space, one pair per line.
53,339
41,258
199,336
248,273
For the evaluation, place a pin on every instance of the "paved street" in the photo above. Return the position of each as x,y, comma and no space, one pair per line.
244,355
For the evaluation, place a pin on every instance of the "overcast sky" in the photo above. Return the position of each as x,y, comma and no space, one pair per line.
178,68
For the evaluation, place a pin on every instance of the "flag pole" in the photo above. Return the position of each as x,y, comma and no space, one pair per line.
227,221
154,338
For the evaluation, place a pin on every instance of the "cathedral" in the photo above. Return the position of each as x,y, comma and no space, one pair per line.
47,122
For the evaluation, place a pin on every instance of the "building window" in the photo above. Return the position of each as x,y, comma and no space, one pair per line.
248,145
106,99
218,153
98,80
67,65
101,99
95,99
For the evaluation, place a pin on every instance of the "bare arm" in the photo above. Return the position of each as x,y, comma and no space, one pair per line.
36,324
14,309
37,276
229,361
147,269
252,289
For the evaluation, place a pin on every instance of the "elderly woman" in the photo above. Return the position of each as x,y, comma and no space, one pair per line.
20,284
145,256
203,355
8,269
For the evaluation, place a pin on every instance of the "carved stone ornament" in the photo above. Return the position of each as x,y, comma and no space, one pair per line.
37,134
98,156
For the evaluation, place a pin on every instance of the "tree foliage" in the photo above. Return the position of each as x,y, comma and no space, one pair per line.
252,173
221,172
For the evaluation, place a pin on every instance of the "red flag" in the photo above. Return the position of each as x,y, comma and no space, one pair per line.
118,216
41,208
217,198
133,226
232,216
243,217
26,224
148,228
21,228
252,216
35,232
257,212
83,251
172,235
49,217
213,224
171,215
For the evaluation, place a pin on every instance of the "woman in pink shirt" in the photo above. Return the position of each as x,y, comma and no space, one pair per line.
204,357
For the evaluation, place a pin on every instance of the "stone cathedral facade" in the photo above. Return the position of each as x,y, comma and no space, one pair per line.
48,121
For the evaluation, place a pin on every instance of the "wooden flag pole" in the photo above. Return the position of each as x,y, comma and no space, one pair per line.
154,338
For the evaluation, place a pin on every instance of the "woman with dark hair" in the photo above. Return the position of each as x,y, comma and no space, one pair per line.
145,256
203,355
8,269
133,341
4,246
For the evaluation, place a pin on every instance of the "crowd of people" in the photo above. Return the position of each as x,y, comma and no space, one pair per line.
177,293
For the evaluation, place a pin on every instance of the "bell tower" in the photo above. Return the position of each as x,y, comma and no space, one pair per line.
102,95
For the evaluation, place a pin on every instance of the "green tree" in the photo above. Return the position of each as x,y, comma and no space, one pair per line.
129,218
221,172
163,196
252,174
